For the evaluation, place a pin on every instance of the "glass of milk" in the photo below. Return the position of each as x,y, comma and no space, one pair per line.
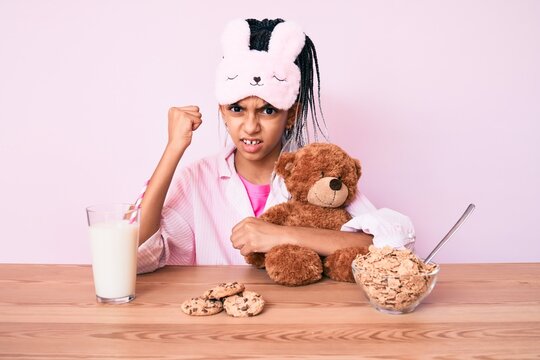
114,237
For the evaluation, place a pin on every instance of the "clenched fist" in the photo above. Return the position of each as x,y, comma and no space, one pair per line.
183,121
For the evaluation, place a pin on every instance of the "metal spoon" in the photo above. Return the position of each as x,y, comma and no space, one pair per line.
454,228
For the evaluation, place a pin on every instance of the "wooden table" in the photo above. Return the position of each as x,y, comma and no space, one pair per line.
483,311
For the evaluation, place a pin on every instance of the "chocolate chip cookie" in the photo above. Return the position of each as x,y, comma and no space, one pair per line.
200,306
244,304
224,290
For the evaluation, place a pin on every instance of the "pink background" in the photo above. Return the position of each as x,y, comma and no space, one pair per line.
440,100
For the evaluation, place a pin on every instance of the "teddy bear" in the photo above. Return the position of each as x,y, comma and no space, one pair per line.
321,179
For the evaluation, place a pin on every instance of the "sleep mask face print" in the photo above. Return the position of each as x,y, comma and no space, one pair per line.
270,75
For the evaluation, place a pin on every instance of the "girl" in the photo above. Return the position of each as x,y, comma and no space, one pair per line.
265,90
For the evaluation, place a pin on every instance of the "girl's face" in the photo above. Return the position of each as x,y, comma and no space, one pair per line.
256,127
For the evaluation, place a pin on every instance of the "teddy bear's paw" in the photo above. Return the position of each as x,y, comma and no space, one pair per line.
338,266
255,259
293,265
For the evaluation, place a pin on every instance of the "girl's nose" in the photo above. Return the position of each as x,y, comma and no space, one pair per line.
251,124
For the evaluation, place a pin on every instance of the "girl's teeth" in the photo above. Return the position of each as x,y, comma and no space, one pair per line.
251,142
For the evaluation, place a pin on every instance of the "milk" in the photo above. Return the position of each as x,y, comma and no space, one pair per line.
114,258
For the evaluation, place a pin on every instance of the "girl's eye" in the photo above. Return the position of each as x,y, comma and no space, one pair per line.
235,108
269,111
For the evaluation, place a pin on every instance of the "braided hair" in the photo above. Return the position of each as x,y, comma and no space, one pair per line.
298,135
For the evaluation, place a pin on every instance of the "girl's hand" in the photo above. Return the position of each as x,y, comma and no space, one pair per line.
182,122
255,235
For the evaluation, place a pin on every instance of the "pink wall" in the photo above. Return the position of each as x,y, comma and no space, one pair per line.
439,99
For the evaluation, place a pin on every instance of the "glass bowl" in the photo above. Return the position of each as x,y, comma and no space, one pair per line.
395,294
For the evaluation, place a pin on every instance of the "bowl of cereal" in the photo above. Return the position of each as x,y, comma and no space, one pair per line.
394,281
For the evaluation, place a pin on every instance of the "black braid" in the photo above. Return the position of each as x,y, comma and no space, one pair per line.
261,30
306,98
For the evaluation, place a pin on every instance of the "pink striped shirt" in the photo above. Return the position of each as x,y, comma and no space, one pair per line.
206,200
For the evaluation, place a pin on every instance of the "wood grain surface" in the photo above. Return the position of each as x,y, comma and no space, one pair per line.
476,311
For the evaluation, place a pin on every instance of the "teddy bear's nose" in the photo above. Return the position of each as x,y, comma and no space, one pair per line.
335,184
257,79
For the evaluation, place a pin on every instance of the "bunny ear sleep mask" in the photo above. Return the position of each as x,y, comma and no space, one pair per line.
271,75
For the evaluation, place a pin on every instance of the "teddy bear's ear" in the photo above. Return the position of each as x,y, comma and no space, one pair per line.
358,168
285,164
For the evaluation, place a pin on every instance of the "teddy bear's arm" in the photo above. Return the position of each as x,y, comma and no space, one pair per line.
277,214
337,266
256,259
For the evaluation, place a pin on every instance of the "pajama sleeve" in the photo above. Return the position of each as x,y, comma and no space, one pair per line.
388,227
174,242
152,254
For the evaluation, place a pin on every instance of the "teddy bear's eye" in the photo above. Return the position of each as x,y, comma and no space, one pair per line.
322,174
